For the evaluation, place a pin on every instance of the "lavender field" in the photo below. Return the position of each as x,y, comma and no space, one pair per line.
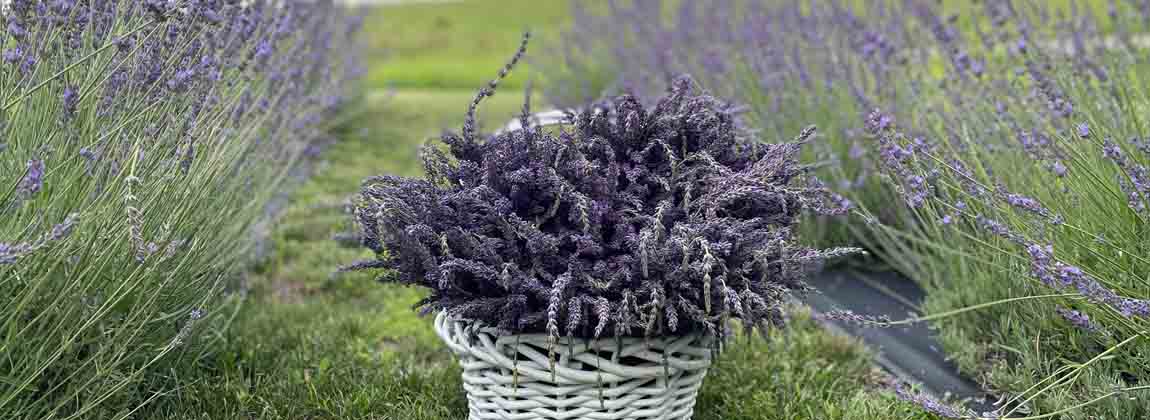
201,215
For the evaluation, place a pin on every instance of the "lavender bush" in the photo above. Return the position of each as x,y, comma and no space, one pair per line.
631,220
139,144
1010,133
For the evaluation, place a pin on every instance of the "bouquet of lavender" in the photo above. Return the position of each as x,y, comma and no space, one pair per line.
630,220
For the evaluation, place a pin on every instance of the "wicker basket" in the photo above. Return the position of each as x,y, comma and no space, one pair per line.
511,377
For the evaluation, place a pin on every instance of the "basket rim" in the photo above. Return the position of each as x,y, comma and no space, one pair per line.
477,326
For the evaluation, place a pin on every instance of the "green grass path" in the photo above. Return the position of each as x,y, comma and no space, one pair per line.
456,45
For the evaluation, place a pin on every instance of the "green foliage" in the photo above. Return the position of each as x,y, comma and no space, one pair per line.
812,374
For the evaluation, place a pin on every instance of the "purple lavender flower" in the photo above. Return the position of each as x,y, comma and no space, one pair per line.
124,44
1078,319
930,404
996,228
1060,275
895,157
1142,145
878,121
179,82
1083,130
157,9
212,15
854,318
91,157
1022,202
1056,99
12,55
10,253
33,179
263,51
1137,188
71,98
63,229
1130,307
28,64
17,31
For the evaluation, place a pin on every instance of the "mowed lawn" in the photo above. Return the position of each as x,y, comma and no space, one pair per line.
309,344
456,44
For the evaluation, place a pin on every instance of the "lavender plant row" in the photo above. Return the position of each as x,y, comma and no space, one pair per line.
1010,137
139,144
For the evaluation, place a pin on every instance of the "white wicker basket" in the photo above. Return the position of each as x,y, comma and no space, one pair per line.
511,377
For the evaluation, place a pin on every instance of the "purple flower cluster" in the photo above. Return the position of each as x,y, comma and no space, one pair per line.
1023,202
1134,178
11,252
1059,275
33,179
661,220
895,153
1078,319
1056,101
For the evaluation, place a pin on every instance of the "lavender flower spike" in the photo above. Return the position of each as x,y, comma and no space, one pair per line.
853,318
1083,130
71,98
10,253
33,179
930,404
1078,319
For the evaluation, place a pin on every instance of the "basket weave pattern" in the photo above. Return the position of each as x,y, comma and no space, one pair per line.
511,377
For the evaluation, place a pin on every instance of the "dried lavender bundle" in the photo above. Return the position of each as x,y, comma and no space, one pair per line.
661,220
